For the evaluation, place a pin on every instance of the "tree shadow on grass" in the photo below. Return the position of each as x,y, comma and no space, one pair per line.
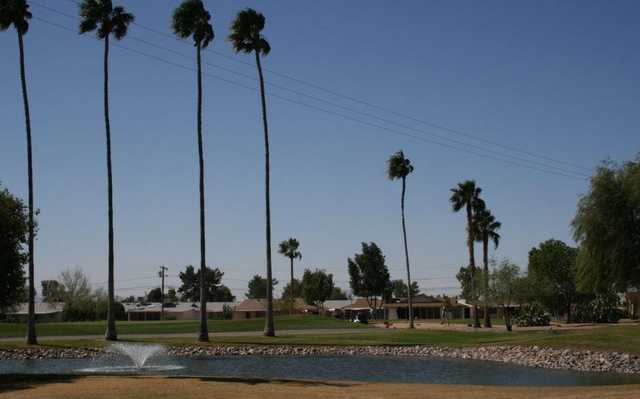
257,381
16,382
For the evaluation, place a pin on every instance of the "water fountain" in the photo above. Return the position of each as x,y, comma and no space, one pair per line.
138,354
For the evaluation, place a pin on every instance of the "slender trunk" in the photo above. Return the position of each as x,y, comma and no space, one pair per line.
204,331
485,279
406,254
291,297
31,319
269,329
472,265
110,335
569,310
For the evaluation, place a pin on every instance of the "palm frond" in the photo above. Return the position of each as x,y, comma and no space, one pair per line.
16,13
245,33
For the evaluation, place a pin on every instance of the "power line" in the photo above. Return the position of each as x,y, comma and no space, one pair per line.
367,103
542,167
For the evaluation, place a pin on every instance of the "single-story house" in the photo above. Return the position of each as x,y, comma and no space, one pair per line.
300,307
426,307
361,305
45,312
335,307
251,309
177,311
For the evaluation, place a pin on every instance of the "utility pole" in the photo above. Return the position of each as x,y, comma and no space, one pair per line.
162,275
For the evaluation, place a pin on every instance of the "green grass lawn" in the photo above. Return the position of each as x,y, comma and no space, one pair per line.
8,330
624,338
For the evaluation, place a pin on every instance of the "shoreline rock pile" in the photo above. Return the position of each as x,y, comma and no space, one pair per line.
531,356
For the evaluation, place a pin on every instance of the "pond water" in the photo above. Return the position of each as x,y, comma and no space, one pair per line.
353,368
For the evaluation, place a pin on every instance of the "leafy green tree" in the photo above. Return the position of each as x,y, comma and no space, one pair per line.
155,295
338,294
191,19
467,196
470,284
190,289
258,287
552,265
400,290
399,167
503,288
14,230
368,274
292,290
52,291
291,249
107,20
16,13
607,229
246,37
172,296
487,228
317,287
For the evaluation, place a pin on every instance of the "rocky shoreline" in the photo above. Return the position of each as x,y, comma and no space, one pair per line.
532,356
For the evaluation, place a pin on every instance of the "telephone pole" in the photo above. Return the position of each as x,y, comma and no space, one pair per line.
162,275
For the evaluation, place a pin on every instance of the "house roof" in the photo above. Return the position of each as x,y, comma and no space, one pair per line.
40,308
358,304
337,304
251,305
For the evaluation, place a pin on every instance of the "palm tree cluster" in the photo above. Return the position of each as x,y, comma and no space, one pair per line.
190,20
481,227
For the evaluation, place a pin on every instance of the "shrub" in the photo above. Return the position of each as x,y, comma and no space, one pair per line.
532,316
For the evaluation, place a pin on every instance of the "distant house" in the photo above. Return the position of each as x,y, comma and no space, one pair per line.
250,309
425,307
45,312
177,311
358,306
335,307
300,307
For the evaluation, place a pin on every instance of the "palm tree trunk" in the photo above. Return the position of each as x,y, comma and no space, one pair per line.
406,254
472,265
485,280
31,319
291,298
110,335
269,329
204,330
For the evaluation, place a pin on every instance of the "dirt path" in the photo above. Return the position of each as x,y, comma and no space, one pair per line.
200,388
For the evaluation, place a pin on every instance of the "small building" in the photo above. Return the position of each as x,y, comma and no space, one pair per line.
335,307
251,309
45,312
426,307
360,306
177,311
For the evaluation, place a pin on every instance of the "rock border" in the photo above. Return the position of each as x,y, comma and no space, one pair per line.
530,356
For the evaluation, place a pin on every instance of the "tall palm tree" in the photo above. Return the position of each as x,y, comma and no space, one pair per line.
191,19
246,37
466,195
399,167
290,249
487,228
102,16
16,13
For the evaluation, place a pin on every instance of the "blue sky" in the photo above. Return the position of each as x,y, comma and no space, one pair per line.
558,79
